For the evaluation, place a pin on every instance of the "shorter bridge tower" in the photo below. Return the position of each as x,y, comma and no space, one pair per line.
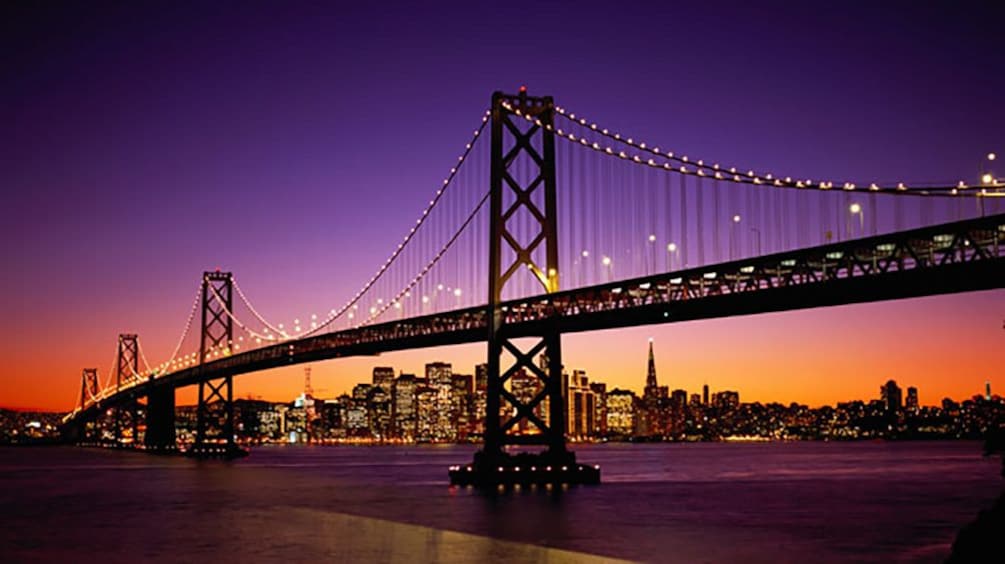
214,436
89,432
88,386
127,365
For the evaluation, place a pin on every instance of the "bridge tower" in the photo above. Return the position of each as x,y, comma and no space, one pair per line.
88,430
215,411
522,181
127,368
88,385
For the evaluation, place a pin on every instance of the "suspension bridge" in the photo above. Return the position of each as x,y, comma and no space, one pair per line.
558,224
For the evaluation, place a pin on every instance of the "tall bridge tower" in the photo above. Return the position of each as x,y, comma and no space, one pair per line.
215,410
522,182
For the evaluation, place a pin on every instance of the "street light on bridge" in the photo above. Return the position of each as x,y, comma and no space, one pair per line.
652,254
672,249
987,175
732,235
856,209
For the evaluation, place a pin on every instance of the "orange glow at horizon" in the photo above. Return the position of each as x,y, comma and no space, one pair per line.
946,346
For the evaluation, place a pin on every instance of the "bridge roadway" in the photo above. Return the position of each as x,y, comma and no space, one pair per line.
961,256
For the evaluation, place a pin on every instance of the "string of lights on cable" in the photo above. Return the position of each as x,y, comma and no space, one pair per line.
682,164
335,314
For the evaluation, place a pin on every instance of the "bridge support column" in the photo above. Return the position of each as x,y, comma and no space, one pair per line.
160,433
214,437
513,417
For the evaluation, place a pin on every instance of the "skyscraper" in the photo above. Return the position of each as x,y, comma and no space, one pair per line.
481,398
892,396
580,406
620,412
461,397
439,376
652,419
383,376
599,390
678,399
912,399
403,414
426,416
481,376
652,386
704,393
378,412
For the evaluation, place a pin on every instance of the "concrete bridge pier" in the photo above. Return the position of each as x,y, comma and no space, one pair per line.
160,433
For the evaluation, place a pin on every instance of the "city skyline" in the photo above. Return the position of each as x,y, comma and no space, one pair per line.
639,387
443,405
708,386
986,388
107,183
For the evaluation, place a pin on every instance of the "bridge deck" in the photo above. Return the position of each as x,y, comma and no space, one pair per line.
954,257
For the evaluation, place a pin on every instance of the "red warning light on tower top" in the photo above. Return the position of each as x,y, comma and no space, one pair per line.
523,89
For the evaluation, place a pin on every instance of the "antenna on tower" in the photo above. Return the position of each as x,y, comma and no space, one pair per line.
308,390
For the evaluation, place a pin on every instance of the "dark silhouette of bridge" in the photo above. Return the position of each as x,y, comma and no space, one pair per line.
746,243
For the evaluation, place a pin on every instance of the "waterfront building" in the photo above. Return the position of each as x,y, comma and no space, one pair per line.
599,390
580,406
426,416
438,375
461,395
378,413
891,395
621,413
726,400
269,424
356,417
480,401
295,423
333,416
911,404
481,376
403,407
248,417
184,424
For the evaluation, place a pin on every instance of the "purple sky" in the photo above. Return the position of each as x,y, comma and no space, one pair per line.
293,143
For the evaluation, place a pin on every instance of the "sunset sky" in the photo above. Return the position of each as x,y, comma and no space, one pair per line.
146,143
